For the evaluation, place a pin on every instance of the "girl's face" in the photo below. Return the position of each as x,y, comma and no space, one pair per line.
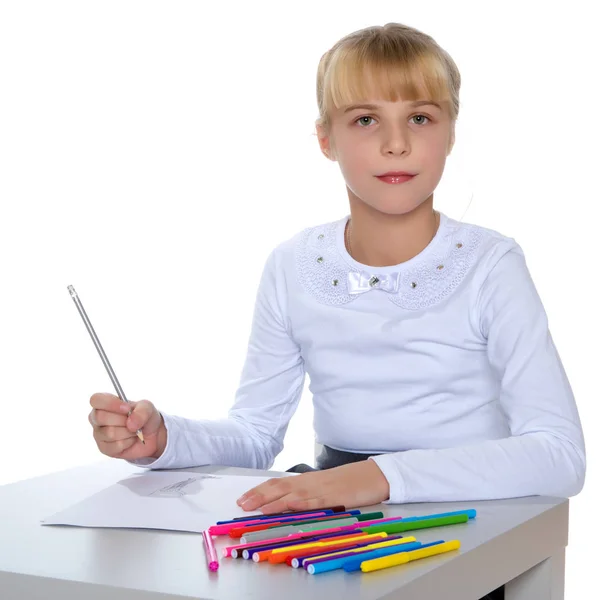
373,138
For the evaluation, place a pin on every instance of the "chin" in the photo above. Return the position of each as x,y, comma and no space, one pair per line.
393,202
395,207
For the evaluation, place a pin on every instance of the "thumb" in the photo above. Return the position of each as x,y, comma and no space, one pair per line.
140,415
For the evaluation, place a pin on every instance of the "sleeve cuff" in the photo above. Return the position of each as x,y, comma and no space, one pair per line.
388,463
165,458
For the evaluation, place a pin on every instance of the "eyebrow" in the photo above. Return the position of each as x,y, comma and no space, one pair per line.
375,107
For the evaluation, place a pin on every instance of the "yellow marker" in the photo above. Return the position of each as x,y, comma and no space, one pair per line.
403,557
373,546
332,542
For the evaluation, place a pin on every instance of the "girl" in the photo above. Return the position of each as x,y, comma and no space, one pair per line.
433,372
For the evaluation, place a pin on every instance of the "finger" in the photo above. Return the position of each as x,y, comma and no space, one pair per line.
115,449
112,434
278,506
142,413
102,418
110,403
300,499
267,492
315,503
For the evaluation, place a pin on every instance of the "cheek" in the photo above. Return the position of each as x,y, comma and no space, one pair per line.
354,159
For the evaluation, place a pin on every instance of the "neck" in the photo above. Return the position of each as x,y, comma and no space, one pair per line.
381,240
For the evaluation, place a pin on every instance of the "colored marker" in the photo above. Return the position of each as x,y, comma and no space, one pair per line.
333,564
405,525
268,534
389,528
402,558
297,538
470,513
265,555
227,527
283,557
352,513
353,564
249,552
333,509
299,559
326,545
211,554
304,561
237,532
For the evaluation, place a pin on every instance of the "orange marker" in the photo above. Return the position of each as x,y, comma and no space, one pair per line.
264,554
278,555
283,557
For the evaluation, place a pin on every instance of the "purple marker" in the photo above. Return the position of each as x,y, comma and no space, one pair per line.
252,551
248,553
302,561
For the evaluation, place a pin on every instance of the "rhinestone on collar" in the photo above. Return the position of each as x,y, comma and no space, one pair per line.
323,271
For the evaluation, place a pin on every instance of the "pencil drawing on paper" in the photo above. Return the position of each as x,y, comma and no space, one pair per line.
191,485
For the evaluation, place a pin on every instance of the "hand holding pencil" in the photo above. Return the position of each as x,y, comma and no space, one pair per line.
116,420
115,430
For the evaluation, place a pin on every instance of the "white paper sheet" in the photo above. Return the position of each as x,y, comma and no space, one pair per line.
178,501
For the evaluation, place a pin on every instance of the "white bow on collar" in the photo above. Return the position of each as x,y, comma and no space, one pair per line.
360,282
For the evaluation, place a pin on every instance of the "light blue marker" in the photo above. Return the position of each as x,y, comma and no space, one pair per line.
338,563
353,564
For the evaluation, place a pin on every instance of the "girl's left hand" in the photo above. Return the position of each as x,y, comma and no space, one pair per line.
353,485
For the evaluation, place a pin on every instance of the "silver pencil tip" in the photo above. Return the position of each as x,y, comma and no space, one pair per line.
72,291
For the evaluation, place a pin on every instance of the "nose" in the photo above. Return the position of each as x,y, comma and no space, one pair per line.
395,140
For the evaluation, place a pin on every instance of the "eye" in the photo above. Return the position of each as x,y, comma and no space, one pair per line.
422,116
361,118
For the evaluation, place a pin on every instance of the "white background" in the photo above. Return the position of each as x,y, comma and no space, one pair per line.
153,153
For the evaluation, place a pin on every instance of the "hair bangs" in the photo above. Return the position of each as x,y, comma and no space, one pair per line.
389,63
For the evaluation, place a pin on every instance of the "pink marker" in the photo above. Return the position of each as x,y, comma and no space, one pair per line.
211,553
227,527
294,536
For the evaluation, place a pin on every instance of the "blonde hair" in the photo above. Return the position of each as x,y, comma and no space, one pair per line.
391,61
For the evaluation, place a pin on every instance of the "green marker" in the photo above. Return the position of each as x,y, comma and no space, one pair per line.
399,526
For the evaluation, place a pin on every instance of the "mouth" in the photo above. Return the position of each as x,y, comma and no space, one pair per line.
396,174
395,177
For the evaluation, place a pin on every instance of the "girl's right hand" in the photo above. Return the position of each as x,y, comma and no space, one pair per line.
115,431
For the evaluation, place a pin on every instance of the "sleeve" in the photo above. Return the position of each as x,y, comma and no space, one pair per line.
268,394
545,453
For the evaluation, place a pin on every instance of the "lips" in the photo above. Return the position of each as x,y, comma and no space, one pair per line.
397,174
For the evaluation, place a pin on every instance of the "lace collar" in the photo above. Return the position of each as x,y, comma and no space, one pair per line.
332,276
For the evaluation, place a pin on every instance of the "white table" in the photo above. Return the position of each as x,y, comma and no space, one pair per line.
520,542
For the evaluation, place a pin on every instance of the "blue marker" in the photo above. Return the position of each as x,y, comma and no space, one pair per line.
338,563
240,520
300,560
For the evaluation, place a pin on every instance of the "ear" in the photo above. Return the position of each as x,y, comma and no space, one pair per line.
325,143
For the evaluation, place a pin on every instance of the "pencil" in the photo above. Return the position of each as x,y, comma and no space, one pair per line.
101,352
